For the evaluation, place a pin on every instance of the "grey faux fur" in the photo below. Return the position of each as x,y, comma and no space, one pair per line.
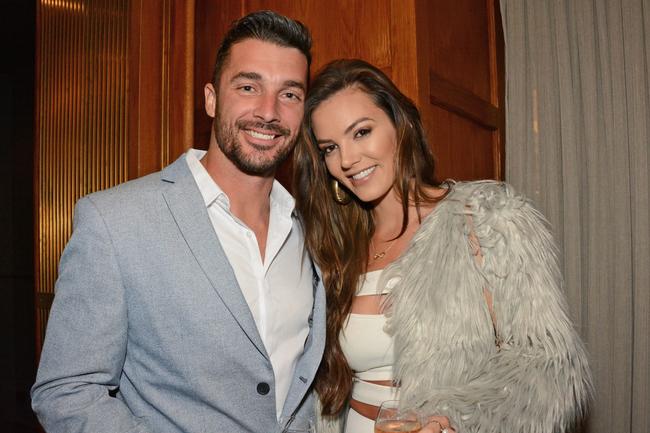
446,357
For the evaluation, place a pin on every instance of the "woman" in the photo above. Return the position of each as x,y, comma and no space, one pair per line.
447,297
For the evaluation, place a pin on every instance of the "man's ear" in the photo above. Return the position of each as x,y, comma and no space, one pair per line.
210,99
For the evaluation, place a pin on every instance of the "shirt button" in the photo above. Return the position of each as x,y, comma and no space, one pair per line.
263,388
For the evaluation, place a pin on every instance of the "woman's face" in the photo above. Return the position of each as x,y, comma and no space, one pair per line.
358,142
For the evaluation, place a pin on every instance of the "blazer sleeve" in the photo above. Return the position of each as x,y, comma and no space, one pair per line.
86,337
538,380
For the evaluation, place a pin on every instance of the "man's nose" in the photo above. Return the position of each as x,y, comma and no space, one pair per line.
267,108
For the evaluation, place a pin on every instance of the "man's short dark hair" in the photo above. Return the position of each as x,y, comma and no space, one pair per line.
266,26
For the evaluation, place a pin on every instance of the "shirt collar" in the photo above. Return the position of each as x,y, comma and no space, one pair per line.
280,198
209,189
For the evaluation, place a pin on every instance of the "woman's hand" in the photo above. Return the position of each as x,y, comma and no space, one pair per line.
437,424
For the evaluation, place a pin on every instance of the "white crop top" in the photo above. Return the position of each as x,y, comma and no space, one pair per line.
366,346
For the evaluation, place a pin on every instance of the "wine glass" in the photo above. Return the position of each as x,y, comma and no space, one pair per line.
391,418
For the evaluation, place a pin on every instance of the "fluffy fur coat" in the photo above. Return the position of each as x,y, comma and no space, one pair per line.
527,371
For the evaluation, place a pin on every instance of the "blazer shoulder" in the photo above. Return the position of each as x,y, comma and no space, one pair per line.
134,191
146,190
125,190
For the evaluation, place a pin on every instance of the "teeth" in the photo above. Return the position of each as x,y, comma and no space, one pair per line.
256,134
364,173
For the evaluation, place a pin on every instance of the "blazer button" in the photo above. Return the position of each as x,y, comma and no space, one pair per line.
263,388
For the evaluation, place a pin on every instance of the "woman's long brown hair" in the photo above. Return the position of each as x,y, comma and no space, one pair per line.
338,236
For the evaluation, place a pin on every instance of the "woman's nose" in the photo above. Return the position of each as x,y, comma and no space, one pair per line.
349,156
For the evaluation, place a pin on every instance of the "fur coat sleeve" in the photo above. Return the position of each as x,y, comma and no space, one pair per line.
447,361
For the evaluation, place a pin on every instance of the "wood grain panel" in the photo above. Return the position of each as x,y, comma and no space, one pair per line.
161,83
463,150
451,97
460,31
461,96
181,78
353,28
405,72
145,86
498,84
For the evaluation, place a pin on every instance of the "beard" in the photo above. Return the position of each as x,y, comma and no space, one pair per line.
259,161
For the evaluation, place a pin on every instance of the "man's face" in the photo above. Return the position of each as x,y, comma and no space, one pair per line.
259,104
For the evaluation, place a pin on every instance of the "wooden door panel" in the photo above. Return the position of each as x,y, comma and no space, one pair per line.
463,149
459,48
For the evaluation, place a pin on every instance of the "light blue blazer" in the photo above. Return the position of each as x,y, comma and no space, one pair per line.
147,302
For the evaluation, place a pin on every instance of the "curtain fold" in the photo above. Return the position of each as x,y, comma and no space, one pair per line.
577,143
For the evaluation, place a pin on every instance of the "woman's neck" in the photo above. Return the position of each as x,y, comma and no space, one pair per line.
388,215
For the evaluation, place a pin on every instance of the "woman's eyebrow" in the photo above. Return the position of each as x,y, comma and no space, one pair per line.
347,130
355,123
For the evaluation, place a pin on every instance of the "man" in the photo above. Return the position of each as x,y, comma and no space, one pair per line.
185,302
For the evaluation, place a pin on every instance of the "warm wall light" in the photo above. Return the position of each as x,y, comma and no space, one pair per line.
68,5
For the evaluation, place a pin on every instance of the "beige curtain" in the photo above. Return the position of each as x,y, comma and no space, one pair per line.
578,139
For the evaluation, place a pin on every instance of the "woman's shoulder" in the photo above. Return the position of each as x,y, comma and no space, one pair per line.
486,195
486,187
483,207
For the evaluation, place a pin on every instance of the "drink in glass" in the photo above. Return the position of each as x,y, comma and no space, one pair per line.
391,418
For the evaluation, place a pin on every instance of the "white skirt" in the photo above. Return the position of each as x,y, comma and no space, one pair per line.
356,423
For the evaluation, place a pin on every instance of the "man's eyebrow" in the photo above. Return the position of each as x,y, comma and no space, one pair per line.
298,84
257,77
247,76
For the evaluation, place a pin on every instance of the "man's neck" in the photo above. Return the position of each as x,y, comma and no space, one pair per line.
249,195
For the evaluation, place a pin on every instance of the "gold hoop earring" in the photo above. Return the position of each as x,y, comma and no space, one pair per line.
340,195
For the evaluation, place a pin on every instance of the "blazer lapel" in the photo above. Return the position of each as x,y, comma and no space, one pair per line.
188,209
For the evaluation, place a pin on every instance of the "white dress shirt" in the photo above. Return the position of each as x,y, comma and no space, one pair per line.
278,289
